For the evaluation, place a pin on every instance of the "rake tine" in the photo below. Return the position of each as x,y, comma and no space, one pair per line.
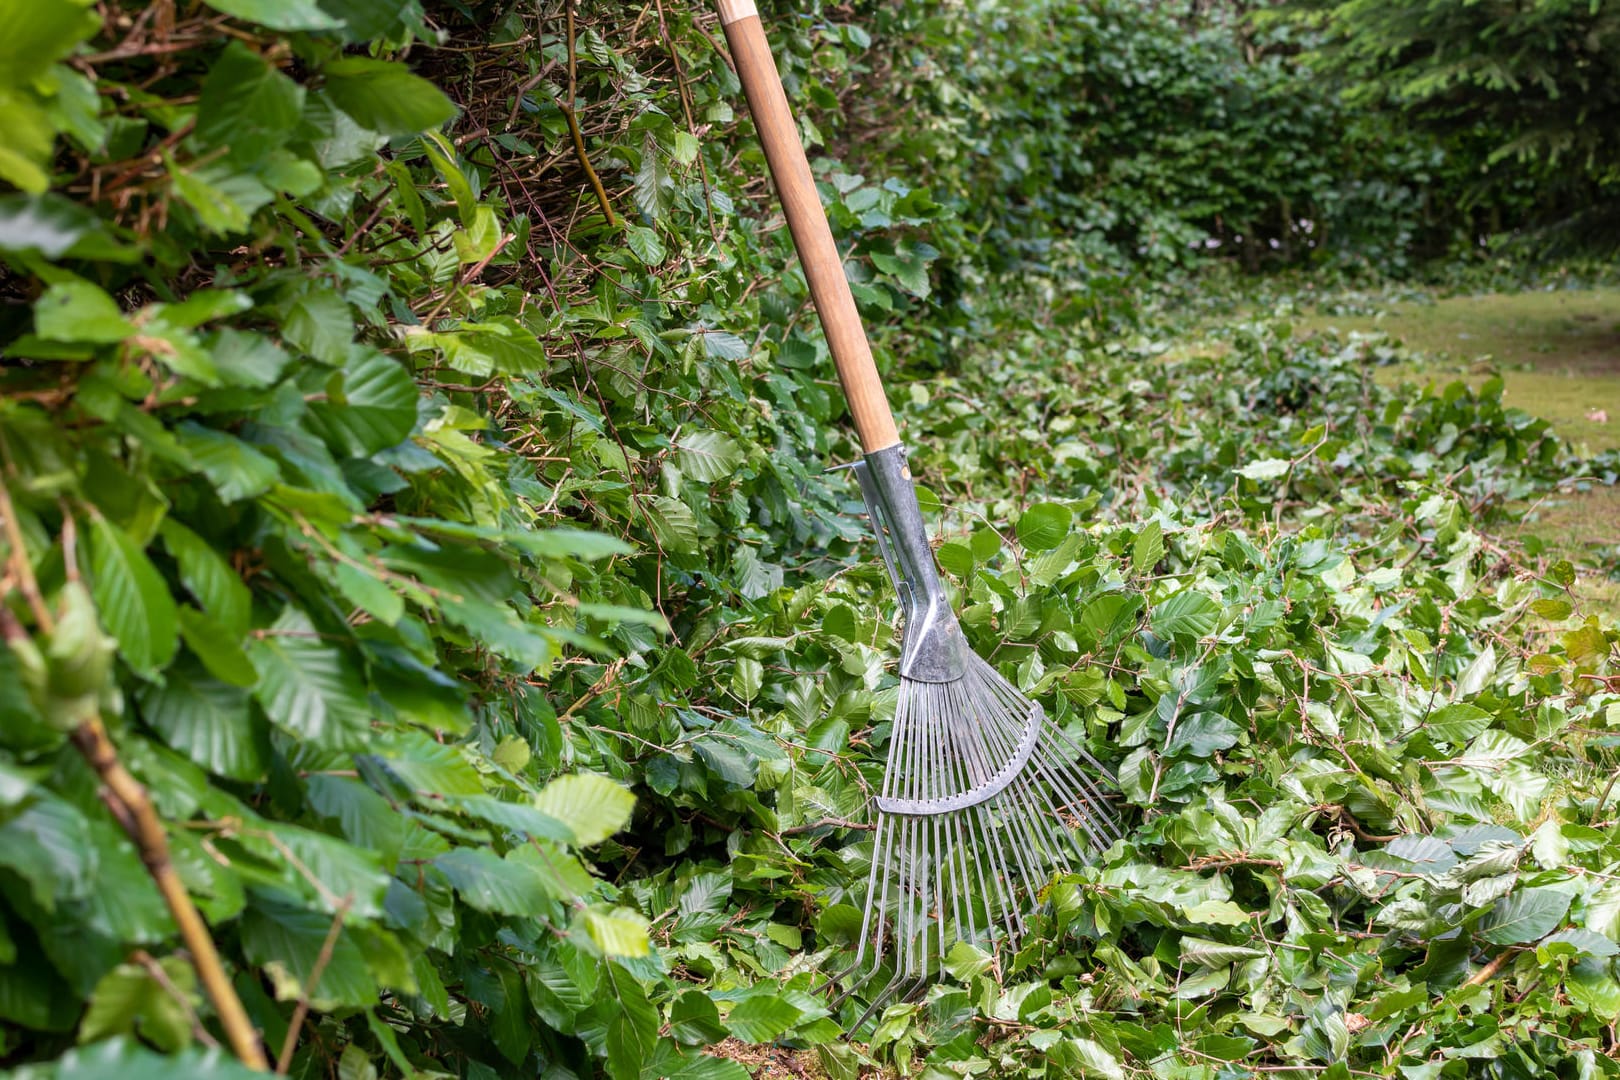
877,1002
1087,799
943,769
1016,816
977,755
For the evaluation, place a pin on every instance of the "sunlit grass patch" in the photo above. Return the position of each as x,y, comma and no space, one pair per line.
1558,354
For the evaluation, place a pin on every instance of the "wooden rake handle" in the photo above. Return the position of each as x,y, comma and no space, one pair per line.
801,204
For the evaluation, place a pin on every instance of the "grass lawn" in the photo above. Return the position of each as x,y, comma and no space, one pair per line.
1559,357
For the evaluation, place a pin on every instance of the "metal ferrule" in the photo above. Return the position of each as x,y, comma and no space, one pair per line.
931,648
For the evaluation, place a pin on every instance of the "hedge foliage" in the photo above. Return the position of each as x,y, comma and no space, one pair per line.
443,539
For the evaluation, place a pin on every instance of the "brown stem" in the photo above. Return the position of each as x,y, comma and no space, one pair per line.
837,823
290,1043
140,820
19,556
1488,972
573,125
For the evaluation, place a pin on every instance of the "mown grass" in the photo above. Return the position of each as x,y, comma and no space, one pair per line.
1558,354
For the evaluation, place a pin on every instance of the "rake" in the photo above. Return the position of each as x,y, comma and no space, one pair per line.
984,799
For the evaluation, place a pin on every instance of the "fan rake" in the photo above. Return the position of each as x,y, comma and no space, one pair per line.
984,798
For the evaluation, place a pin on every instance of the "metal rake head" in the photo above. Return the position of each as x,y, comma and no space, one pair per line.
984,799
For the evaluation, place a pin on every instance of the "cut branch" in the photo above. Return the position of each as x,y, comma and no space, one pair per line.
129,802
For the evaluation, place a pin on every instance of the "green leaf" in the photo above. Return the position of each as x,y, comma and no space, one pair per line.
911,273
567,543
729,762
1524,916
365,20
79,311
707,456
430,768
345,871
124,1060
291,938
965,960
720,345
278,14
645,244
208,576
1096,1060
39,34
223,200
748,678
385,96
52,226
16,782
129,999
244,359
1554,609
1593,989
247,107
1457,723
632,1029
1585,942
308,688
591,806
1478,674
673,523
489,883
761,1018
236,470
652,180
515,816
1110,616
377,409
366,590
694,1019
617,932
1148,548
319,323
210,722
132,598
366,819
1265,469
1214,954
26,137
1044,525
48,844
1187,614
1201,734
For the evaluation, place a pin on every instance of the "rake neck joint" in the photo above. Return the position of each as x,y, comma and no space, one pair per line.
931,648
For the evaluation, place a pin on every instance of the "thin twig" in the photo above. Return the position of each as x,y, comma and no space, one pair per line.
824,823
24,572
161,977
573,124
290,1043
